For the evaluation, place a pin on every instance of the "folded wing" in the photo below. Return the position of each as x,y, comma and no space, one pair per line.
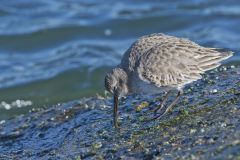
176,64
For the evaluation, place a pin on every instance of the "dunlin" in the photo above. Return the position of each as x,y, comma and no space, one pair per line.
157,63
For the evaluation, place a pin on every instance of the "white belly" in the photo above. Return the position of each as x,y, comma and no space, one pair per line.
139,86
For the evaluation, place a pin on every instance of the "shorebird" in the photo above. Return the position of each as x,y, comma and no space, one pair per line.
157,62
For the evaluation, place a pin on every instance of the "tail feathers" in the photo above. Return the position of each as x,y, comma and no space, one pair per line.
226,55
210,62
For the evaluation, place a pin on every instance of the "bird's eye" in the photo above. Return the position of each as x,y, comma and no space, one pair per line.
120,82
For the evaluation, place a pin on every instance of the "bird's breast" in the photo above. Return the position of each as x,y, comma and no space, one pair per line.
136,85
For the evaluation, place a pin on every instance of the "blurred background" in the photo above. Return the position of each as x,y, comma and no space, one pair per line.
53,51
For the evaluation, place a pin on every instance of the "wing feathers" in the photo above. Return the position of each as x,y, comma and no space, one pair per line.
173,65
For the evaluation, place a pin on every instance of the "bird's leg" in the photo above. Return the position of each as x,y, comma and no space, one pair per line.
170,106
163,102
115,110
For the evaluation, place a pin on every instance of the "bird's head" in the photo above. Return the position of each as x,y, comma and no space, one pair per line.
116,83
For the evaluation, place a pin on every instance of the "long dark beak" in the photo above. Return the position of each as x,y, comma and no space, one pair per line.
115,111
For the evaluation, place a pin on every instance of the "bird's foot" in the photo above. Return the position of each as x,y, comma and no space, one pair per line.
156,109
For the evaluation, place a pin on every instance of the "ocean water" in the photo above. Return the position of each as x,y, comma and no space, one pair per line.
53,51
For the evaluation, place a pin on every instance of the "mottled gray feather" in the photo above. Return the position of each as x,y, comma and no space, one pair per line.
169,61
159,62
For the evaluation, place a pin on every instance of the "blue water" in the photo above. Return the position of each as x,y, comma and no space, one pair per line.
54,51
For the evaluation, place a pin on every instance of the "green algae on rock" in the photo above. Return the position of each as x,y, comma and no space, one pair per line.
205,124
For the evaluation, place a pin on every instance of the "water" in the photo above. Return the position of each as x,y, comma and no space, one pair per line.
53,51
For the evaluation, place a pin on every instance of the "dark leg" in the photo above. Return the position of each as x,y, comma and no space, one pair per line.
170,106
163,103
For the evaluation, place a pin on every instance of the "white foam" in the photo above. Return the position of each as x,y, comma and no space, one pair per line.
15,104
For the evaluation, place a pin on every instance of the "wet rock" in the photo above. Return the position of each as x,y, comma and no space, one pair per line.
205,124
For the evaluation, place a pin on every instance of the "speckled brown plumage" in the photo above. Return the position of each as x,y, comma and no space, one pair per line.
158,62
164,60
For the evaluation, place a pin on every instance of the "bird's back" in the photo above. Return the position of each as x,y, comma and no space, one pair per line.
144,43
164,60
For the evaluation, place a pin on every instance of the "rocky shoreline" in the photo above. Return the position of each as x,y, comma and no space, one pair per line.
205,124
